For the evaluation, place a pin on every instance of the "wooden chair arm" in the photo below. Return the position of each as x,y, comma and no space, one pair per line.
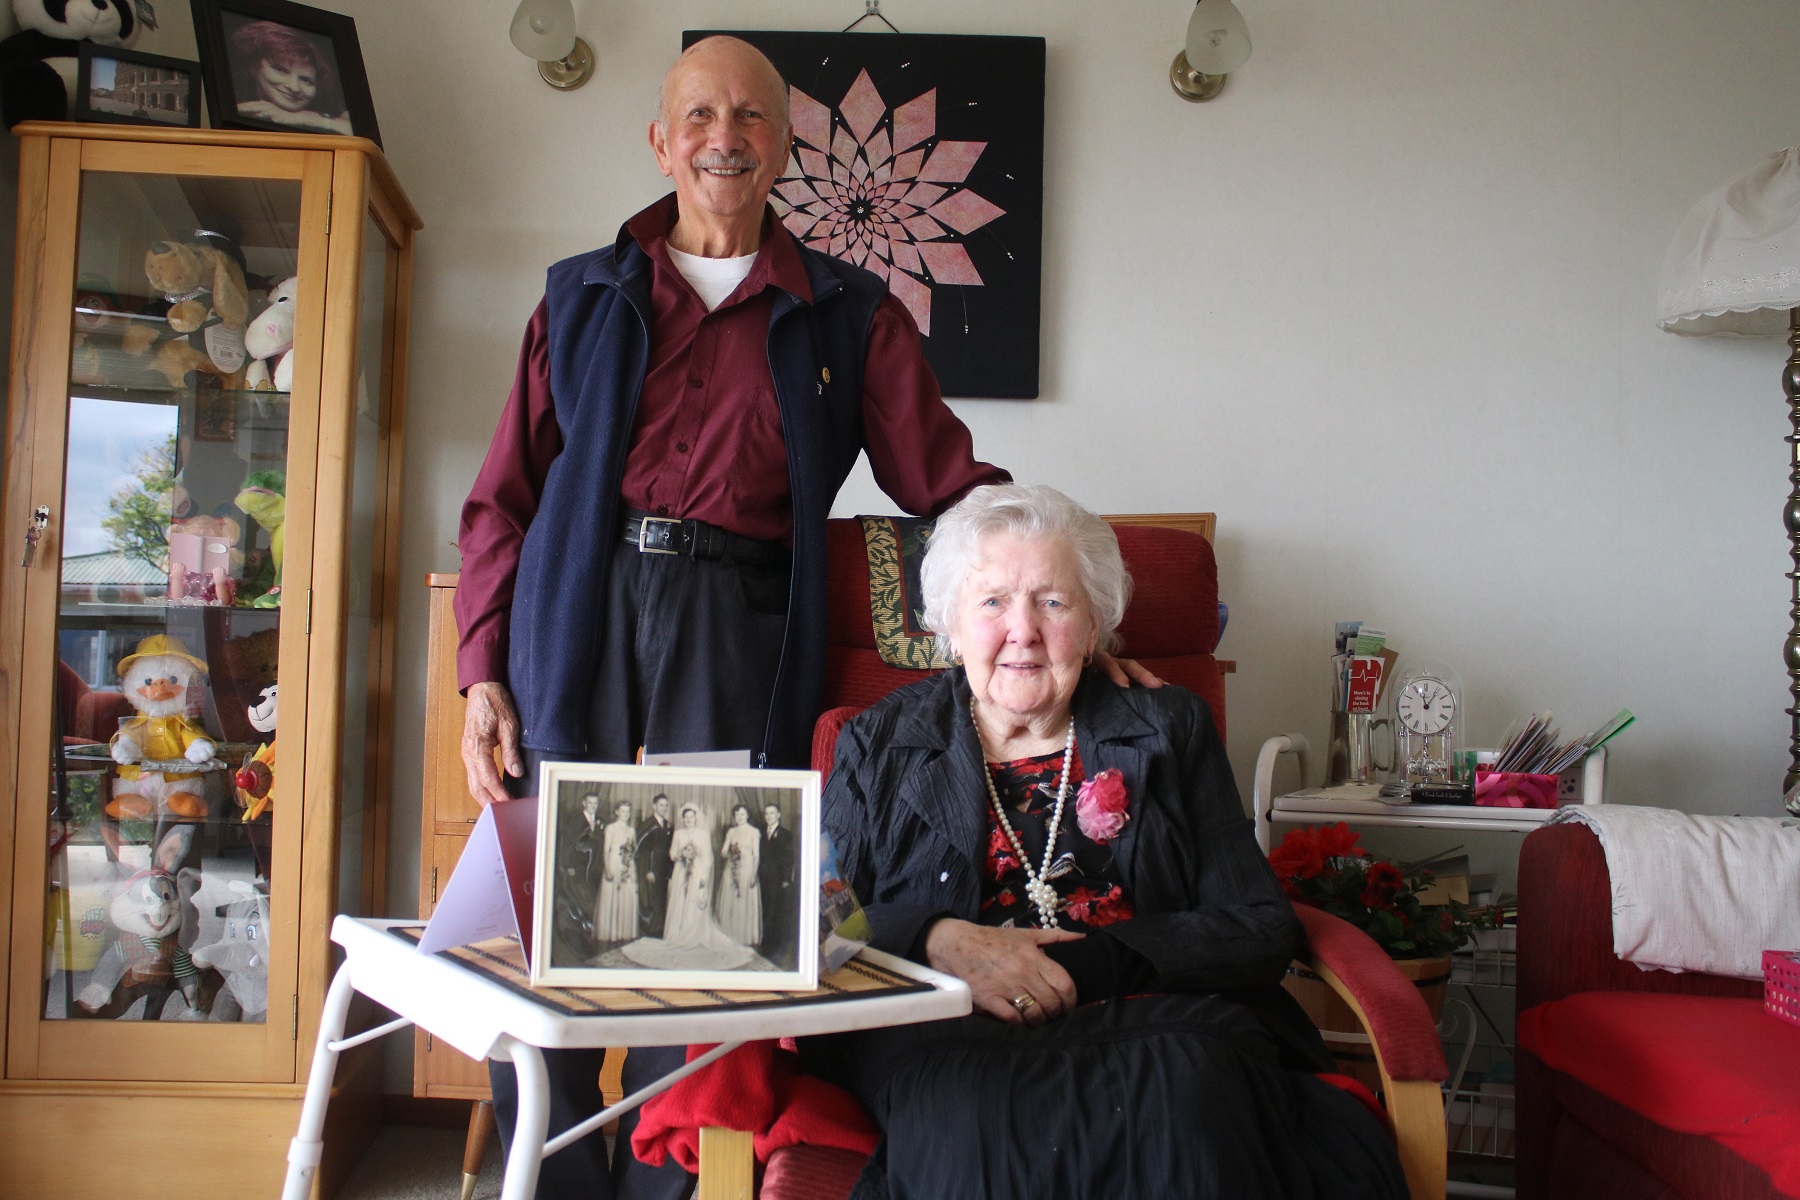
1415,1106
728,1164
1408,1056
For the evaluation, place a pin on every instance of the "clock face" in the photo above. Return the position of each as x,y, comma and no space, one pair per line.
1426,705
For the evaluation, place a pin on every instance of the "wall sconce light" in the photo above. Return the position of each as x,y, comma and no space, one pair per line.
544,30
1218,43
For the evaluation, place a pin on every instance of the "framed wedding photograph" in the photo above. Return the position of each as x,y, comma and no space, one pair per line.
285,67
676,877
117,86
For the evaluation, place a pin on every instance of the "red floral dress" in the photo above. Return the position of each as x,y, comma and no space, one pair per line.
1083,872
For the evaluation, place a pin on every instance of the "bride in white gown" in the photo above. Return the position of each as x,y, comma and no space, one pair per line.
691,939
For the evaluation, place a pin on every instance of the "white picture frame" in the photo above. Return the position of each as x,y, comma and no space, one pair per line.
733,916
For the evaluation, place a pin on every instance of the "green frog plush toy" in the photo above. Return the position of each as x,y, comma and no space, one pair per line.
264,498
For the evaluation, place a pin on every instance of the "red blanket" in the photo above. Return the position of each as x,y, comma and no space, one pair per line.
759,1088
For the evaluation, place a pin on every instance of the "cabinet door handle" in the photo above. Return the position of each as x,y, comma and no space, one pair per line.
34,529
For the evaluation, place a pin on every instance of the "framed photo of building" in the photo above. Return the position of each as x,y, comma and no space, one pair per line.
116,86
281,66
676,877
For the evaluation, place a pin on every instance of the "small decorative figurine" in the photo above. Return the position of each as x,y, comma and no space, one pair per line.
204,561
146,956
264,497
241,955
256,778
269,339
152,747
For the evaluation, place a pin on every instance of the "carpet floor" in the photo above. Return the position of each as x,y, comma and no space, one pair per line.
413,1162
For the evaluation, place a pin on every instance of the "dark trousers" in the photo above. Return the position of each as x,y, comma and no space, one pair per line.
687,663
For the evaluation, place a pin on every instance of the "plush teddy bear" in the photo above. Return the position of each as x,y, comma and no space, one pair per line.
156,680
38,64
269,340
150,919
206,304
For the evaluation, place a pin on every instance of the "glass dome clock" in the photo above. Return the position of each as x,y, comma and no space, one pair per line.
1428,722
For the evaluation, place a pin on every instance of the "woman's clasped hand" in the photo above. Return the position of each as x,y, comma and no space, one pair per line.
1008,975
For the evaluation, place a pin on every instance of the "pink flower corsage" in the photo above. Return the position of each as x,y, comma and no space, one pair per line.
1100,806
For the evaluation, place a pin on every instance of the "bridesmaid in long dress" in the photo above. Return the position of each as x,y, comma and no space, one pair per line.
616,914
740,895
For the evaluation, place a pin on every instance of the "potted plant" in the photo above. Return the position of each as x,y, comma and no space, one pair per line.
1323,866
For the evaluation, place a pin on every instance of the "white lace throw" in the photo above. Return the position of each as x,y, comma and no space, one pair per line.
1698,893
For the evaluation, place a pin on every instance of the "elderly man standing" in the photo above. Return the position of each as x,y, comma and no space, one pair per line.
644,547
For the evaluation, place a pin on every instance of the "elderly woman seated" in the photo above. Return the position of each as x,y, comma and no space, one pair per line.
1077,853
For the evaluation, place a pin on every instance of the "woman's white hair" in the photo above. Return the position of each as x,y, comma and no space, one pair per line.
1022,510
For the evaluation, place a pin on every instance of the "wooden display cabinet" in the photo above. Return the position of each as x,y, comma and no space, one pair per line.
223,539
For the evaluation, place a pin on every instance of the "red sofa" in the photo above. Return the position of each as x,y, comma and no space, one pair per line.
1641,1085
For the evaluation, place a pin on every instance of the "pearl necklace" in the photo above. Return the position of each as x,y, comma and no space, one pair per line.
1037,886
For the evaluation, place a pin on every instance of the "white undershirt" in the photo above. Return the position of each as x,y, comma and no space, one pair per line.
712,278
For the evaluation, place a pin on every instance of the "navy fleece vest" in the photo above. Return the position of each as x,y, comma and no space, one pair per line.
599,334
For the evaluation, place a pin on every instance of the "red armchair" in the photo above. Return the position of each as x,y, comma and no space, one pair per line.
1171,626
1645,1085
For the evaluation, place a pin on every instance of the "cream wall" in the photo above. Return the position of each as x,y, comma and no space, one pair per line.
1385,306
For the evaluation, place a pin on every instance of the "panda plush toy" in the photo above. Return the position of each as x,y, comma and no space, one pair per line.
38,63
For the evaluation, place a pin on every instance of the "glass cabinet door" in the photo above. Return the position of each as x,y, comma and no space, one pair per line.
164,894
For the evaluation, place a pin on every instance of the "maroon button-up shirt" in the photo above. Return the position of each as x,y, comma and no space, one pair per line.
707,443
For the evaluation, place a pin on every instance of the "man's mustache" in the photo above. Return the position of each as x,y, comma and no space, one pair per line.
718,161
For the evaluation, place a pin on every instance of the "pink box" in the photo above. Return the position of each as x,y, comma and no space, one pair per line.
1781,984
1507,789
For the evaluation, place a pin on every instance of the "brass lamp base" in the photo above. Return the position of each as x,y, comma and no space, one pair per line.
571,70
1193,85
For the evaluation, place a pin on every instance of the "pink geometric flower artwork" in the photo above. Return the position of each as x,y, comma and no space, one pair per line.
871,191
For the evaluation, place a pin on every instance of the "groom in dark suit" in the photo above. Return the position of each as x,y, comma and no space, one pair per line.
775,876
652,859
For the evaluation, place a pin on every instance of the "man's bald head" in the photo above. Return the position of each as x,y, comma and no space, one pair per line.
709,53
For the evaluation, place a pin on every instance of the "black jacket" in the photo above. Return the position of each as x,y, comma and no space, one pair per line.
907,810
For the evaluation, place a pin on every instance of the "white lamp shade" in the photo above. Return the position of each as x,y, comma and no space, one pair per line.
544,29
1734,265
1218,41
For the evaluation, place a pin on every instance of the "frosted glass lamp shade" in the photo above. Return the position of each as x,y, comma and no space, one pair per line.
1218,41
544,29
1733,266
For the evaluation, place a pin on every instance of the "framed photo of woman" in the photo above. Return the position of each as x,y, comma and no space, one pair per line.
281,66
676,877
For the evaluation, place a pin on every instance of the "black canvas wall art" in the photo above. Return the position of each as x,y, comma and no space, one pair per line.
921,158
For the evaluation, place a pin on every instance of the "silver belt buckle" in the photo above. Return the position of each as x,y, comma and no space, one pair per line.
644,528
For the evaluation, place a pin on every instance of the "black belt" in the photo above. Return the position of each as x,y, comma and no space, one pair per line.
675,535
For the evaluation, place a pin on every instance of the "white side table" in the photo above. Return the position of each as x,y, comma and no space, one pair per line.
486,1018
1306,808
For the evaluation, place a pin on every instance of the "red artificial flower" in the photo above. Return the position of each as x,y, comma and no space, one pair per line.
1305,851
1100,806
1381,885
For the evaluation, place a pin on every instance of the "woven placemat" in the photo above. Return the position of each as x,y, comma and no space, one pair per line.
503,961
